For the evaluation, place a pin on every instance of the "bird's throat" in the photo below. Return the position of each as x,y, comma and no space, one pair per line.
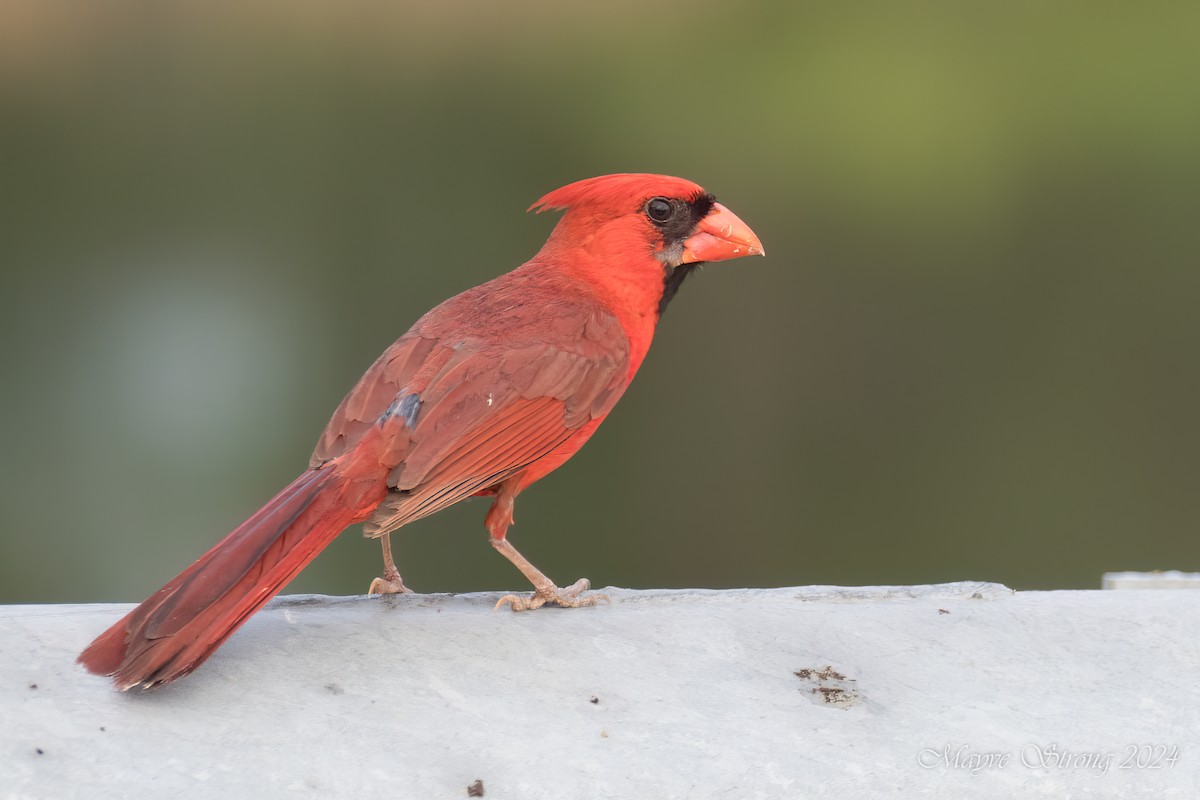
672,280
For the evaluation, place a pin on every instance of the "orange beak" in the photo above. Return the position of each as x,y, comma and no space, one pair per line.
721,236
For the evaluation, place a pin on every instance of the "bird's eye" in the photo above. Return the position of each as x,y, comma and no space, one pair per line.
659,209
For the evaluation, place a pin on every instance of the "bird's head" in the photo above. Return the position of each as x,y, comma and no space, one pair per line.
624,224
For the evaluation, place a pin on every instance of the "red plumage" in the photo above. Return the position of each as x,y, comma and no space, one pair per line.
618,193
485,394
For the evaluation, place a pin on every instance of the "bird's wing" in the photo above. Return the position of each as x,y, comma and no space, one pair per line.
470,413
380,386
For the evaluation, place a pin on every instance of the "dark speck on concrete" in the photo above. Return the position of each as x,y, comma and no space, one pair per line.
475,789
333,688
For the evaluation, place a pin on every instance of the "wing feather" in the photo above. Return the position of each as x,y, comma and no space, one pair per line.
378,388
482,459
487,410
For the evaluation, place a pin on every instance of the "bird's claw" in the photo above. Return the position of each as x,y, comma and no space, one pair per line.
566,598
388,586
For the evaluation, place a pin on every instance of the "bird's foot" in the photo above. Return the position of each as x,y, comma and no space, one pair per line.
389,584
566,598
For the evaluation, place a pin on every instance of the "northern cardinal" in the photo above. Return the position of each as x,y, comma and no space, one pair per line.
486,393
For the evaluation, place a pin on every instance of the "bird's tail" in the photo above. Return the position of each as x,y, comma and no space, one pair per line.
180,625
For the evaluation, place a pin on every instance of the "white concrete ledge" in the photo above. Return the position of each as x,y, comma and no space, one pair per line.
959,690
1169,579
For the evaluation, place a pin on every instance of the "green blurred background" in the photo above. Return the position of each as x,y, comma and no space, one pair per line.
971,352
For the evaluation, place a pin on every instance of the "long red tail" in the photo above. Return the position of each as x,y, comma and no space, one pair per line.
180,625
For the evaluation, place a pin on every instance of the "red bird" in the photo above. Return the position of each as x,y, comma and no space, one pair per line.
488,392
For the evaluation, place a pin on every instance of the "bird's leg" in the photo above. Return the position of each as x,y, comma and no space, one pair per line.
499,517
546,592
390,583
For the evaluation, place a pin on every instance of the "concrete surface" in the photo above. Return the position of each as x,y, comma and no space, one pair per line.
961,690
1169,579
